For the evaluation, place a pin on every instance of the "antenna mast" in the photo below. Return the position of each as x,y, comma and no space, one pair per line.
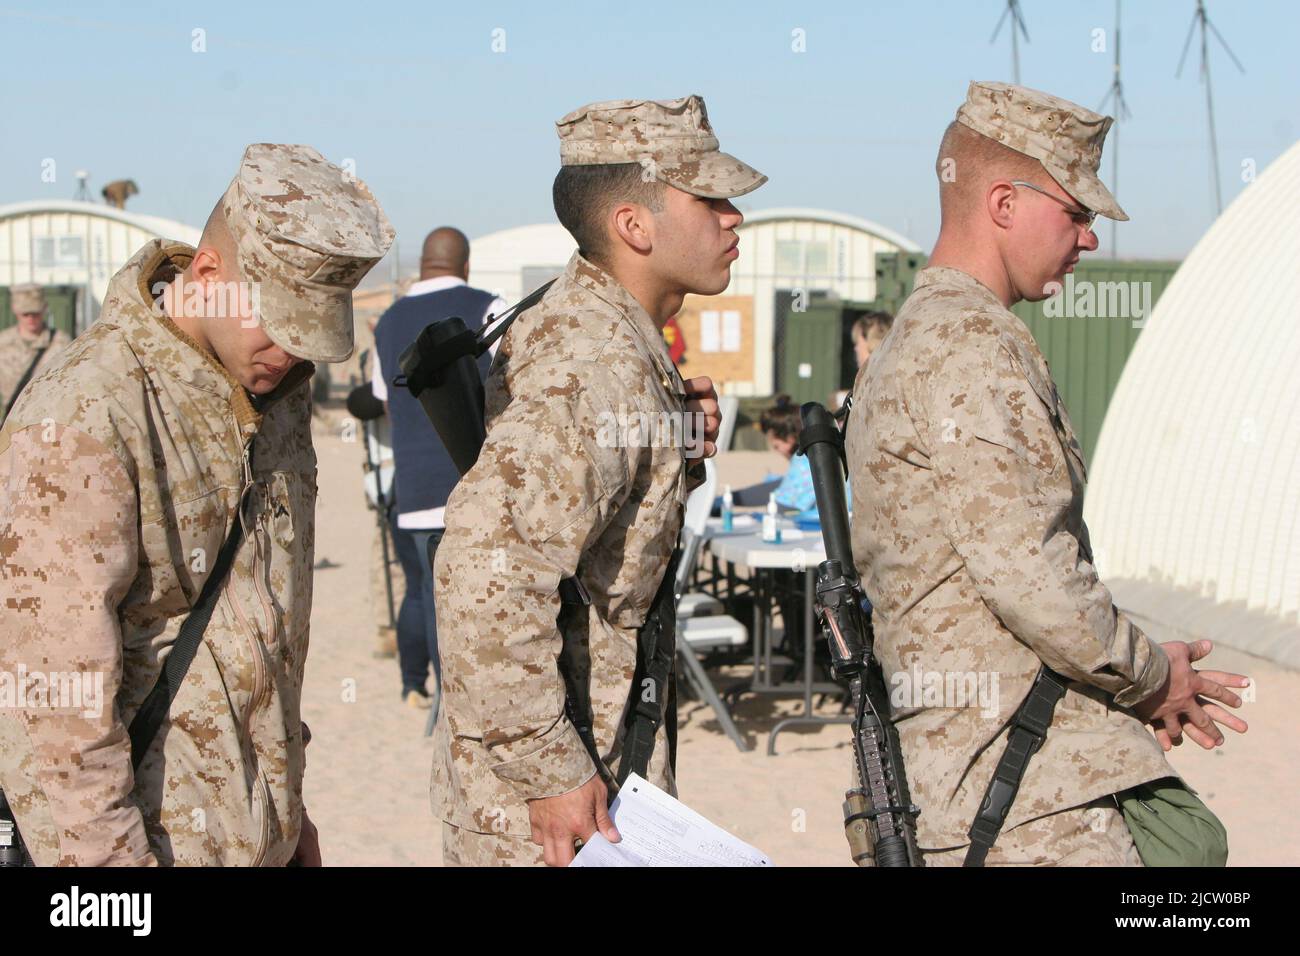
1115,95
1201,18
1017,22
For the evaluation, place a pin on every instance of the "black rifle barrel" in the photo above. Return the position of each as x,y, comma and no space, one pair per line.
821,435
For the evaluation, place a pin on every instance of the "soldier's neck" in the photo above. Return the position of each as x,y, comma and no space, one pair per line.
979,259
660,301
173,300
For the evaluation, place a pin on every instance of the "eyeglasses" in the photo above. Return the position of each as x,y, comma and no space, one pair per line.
1081,216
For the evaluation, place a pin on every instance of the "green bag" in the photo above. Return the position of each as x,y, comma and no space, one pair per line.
1172,827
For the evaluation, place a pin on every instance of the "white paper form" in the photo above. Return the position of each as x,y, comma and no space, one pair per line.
658,830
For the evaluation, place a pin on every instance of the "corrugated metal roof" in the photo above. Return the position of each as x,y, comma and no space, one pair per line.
1196,480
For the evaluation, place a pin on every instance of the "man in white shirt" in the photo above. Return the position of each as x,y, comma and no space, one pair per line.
425,473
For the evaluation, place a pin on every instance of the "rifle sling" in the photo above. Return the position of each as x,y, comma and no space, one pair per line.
22,382
1028,731
149,718
651,697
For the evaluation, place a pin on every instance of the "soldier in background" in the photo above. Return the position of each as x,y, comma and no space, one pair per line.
567,485
968,487
29,346
183,410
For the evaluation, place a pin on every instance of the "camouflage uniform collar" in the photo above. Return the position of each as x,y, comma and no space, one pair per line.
946,275
162,261
586,274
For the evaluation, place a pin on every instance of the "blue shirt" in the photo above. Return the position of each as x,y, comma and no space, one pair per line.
796,488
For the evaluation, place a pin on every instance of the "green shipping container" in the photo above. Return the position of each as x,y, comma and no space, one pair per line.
1086,336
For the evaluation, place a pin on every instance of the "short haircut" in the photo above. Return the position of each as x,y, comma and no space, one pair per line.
218,235
782,419
968,162
583,196
872,325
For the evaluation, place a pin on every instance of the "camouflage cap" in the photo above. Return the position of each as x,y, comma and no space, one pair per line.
672,139
307,232
1063,136
28,297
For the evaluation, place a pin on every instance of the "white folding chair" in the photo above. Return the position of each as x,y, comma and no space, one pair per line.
714,629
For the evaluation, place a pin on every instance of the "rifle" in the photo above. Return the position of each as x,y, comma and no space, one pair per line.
879,816
12,851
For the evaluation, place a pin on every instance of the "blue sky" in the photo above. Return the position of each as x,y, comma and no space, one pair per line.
447,131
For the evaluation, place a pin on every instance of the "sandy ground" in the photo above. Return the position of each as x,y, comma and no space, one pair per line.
368,763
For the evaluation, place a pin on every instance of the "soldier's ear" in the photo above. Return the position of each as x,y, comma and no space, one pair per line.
632,224
1000,203
207,265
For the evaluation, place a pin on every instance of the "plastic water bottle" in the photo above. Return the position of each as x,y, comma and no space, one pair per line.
771,527
728,503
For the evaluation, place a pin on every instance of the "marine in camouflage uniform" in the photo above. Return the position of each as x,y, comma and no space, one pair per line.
560,489
19,346
967,482
123,468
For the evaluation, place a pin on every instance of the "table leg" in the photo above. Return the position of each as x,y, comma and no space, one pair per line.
808,641
807,718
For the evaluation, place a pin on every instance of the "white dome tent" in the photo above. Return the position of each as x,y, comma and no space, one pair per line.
1194,502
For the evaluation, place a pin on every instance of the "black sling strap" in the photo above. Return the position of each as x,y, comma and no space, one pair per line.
651,702
152,713
22,382
1028,731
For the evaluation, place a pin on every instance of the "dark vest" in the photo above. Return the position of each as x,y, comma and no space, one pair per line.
425,473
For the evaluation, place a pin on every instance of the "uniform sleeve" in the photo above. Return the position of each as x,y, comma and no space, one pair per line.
544,488
1009,503
68,554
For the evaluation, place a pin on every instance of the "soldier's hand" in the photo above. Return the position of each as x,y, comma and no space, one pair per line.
576,815
1185,702
702,399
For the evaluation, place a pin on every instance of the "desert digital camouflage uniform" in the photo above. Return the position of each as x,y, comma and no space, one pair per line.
566,482
17,352
968,530
123,468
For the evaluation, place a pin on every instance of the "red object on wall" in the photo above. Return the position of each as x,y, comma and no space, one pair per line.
676,341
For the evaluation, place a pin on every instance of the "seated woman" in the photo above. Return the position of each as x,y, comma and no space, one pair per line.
781,424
